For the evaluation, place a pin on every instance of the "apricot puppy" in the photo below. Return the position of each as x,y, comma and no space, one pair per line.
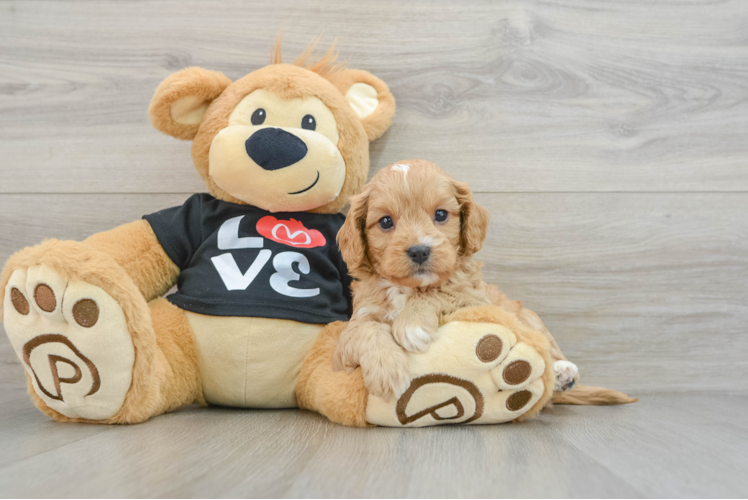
408,239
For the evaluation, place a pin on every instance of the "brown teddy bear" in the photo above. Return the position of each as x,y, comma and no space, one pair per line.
258,271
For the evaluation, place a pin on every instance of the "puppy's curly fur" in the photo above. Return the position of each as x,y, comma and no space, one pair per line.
408,240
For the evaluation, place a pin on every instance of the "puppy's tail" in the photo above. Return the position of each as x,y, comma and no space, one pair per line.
586,395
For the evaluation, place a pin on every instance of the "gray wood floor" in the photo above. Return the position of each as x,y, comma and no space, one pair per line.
666,446
609,140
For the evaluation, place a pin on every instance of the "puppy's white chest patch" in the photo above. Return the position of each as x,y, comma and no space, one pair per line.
397,297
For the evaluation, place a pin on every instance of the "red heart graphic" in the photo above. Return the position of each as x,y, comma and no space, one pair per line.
289,232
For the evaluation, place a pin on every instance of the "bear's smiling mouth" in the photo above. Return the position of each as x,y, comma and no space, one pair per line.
308,188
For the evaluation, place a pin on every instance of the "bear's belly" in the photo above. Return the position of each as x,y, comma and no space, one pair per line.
251,362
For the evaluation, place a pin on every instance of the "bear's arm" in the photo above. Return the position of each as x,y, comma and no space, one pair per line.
135,247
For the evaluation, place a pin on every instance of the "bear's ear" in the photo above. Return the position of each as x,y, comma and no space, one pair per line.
179,103
369,97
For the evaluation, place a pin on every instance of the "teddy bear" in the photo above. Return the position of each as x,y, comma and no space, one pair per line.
262,290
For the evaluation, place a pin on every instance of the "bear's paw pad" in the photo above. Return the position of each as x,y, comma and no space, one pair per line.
73,341
473,373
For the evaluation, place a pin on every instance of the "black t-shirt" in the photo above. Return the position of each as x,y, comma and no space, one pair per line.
239,260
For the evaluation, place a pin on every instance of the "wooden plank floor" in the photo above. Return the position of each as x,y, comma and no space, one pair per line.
693,444
608,141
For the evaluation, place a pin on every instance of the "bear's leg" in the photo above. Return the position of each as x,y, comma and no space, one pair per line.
176,357
337,395
92,348
483,366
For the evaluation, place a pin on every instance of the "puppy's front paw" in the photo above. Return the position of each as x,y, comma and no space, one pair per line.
413,338
385,372
345,352
387,382
342,362
566,372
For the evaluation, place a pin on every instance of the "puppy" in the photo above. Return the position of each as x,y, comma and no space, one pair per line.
408,240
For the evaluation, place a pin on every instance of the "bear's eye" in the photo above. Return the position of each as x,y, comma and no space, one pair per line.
441,216
258,117
308,122
386,223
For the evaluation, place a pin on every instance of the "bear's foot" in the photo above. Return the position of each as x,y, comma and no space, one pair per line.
73,341
483,370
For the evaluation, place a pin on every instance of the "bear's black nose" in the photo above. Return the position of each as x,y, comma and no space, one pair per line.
419,254
274,148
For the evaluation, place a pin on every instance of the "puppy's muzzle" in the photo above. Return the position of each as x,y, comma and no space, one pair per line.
419,254
273,148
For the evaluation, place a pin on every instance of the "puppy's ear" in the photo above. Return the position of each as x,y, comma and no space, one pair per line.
369,97
179,103
473,220
352,236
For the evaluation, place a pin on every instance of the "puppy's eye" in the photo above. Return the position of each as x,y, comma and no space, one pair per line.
258,117
386,223
441,215
308,122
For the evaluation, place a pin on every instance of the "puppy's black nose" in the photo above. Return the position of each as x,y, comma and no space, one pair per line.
274,148
419,254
